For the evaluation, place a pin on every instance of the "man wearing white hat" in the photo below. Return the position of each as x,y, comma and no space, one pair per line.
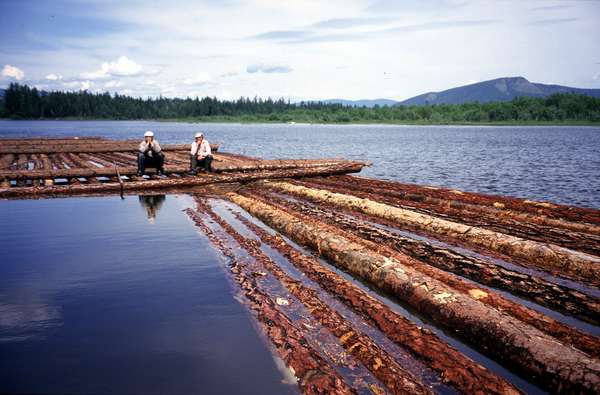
200,154
150,154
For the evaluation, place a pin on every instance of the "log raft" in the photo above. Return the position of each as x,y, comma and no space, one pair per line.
370,286
68,166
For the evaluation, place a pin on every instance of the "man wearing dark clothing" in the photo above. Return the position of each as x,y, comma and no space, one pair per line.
150,155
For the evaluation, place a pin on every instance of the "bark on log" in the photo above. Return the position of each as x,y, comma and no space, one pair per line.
546,256
458,370
380,363
551,210
233,177
545,293
93,171
553,365
497,212
315,375
575,236
562,332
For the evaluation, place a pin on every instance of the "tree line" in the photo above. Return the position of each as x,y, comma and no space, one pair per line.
24,102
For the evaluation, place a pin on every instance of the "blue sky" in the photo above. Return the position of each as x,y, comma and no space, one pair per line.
296,49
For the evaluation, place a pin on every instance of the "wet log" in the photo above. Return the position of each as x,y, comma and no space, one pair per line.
86,169
315,375
494,212
585,239
90,146
233,177
525,349
380,363
458,370
556,329
545,293
546,256
550,210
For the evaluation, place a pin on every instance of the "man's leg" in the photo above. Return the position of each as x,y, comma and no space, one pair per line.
193,163
207,163
160,161
141,163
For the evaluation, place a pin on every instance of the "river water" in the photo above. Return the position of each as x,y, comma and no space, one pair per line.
103,295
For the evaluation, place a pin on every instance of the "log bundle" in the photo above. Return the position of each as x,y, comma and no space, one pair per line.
65,166
429,282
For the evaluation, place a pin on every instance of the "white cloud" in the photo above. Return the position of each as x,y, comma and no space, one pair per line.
200,79
54,77
113,84
80,85
123,67
268,68
12,72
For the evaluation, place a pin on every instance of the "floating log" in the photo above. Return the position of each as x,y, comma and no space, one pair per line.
528,350
550,210
494,211
546,256
457,369
575,236
108,170
232,177
382,365
543,292
315,375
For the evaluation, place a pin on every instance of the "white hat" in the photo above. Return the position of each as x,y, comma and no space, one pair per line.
148,134
198,135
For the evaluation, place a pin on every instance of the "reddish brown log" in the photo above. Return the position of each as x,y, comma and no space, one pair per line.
576,236
545,293
212,178
86,169
315,375
549,257
551,210
382,365
522,347
458,370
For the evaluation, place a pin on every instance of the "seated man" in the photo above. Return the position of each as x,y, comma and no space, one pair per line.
150,155
200,154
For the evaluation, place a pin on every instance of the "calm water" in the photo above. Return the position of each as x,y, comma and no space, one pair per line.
560,164
103,295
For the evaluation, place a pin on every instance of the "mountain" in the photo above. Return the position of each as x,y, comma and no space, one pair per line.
2,93
500,89
361,103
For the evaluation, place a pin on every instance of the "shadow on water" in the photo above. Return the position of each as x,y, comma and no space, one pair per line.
98,296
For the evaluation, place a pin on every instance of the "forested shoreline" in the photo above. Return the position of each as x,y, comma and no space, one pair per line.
23,102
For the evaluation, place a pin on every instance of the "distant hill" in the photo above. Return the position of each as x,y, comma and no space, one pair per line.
500,89
361,103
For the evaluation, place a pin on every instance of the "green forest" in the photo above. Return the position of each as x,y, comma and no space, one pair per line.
23,102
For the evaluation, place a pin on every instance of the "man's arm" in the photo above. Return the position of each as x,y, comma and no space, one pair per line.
156,147
143,147
205,148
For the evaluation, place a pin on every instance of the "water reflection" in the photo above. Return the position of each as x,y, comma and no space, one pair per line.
26,319
152,203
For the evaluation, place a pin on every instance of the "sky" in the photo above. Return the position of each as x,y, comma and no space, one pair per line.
298,50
